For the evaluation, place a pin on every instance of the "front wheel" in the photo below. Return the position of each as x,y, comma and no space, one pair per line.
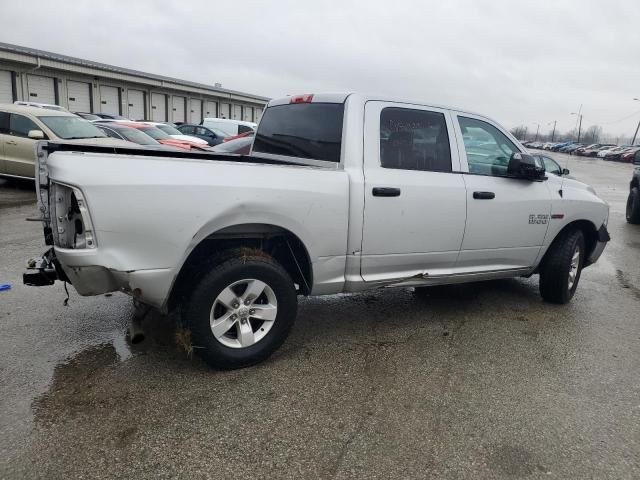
561,269
633,206
241,311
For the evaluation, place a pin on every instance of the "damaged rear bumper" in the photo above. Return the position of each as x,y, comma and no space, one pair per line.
77,267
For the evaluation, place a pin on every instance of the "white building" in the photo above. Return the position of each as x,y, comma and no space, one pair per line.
86,86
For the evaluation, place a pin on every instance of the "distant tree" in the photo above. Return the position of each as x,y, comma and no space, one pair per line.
592,134
571,136
520,132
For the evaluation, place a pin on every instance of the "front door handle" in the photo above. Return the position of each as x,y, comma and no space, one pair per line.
484,195
385,192
11,142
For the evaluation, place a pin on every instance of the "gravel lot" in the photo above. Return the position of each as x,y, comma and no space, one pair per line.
473,381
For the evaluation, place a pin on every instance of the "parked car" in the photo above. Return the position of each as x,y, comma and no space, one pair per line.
229,127
593,152
242,135
231,243
110,116
240,146
610,151
558,146
570,149
21,126
630,155
211,135
551,166
173,132
88,116
162,137
633,200
47,106
117,130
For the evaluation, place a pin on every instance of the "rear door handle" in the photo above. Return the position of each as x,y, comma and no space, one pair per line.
11,142
484,195
385,192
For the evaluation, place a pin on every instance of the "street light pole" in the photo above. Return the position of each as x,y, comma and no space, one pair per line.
579,128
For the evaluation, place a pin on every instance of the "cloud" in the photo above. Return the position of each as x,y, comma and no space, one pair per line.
518,62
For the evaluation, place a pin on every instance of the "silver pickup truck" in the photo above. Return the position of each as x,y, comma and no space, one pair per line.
341,193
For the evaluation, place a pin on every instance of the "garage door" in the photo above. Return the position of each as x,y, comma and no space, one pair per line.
158,107
210,109
225,110
258,114
237,112
41,89
195,111
79,96
6,87
109,100
178,108
136,104
247,114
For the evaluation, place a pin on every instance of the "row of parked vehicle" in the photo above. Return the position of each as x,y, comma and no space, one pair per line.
606,151
24,123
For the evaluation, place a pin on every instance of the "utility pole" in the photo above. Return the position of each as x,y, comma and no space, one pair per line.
537,131
579,128
633,142
553,134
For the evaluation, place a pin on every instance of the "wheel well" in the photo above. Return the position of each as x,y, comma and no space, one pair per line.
285,247
589,231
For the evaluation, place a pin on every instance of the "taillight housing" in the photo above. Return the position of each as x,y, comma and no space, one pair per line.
70,219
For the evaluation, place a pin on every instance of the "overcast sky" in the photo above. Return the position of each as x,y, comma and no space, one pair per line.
520,62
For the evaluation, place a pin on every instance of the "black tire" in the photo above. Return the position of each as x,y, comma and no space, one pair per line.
633,206
554,272
236,266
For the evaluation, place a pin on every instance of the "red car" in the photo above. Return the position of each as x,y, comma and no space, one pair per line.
242,135
629,156
164,138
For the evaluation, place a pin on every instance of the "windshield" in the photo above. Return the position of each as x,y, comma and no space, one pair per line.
72,127
169,129
219,132
155,133
136,136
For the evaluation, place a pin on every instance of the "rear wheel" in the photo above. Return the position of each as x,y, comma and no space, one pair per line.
241,311
633,206
560,272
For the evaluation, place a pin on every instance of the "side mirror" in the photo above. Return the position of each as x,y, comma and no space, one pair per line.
36,134
565,171
525,166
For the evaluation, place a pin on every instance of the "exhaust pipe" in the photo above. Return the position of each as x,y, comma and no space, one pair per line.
136,333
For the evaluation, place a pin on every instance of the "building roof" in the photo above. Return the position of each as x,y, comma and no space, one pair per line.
17,49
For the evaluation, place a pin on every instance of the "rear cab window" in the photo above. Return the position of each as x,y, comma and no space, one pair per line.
311,131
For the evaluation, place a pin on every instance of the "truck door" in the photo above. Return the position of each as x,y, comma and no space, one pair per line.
507,218
415,205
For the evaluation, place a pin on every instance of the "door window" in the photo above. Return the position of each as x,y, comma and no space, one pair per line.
244,129
551,165
19,125
187,130
413,139
488,149
203,132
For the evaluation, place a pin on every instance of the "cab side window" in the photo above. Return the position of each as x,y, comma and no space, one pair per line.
244,129
19,125
488,149
413,139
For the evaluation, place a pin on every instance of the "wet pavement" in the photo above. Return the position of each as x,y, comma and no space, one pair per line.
471,381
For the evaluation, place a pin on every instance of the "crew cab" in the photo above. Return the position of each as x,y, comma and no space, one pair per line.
341,193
